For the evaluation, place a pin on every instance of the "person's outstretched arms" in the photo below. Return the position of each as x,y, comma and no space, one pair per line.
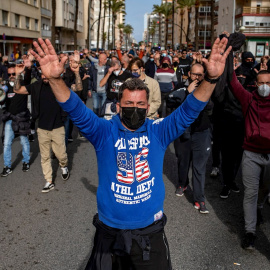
51,68
215,66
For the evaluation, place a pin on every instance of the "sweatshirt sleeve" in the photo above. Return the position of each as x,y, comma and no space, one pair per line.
171,127
95,129
242,95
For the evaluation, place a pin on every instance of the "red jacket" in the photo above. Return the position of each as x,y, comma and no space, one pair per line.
256,110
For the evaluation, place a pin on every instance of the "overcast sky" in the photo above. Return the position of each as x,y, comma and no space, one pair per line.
135,10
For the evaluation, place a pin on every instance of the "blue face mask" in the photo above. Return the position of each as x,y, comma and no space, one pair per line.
164,54
151,59
135,75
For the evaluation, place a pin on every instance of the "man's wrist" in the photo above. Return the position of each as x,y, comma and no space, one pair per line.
210,79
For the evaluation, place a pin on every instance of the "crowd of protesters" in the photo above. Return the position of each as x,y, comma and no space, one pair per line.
234,125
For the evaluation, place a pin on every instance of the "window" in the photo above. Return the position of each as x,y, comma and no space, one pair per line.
35,3
247,23
204,9
36,25
17,20
27,22
4,18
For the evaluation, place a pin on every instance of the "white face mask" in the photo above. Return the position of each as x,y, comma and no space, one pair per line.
11,84
116,72
264,90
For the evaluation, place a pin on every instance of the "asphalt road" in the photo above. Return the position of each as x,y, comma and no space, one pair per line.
54,231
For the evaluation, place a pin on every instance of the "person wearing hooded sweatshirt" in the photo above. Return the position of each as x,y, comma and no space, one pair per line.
130,149
167,80
256,156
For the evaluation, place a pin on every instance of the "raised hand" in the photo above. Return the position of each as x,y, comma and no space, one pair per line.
26,61
19,68
48,60
215,64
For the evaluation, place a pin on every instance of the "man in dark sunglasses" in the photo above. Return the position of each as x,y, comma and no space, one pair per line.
16,119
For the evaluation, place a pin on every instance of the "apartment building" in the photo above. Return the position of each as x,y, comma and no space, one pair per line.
250,17
19,25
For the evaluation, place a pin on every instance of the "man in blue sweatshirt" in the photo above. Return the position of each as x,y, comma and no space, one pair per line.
130,149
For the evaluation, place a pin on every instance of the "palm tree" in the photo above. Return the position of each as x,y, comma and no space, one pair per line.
75,23
107,5
117,6
197,4
121,26
157,9
151,32
104,36
212,21
53,22
103,25
99,16
188,4
88,25
166,10
128,30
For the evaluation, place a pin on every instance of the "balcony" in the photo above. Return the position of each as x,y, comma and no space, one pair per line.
254,30
46,33
46,12
265,11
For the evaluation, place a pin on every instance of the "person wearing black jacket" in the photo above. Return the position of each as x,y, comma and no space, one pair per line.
16,118
194,145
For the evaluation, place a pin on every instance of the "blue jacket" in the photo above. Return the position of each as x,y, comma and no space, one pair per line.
131,191
93,76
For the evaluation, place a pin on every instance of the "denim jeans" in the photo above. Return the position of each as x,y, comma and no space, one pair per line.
98,101
9,136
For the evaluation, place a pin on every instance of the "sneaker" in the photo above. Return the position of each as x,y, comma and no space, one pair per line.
215,172
249,241
203,208
197,205
235,188
224,194
25,167
65,173
6,171
180,191
48,186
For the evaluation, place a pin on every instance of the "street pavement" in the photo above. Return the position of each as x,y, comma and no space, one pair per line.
54,231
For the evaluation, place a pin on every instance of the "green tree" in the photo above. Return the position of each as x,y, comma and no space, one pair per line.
117,6
99,17
121,26
75,23
157,10
167,10
188,4
128,30
53,22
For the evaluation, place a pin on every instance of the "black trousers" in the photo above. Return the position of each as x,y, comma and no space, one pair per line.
231,149
196,150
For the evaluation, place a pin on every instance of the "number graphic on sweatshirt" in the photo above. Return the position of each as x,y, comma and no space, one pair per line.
125,173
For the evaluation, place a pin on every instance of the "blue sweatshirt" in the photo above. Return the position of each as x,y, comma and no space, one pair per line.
131,191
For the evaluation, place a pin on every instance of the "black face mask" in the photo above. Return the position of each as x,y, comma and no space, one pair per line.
165,65
175,64
248,64
133,117
241,80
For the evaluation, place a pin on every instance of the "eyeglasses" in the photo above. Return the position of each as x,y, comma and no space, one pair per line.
11,74
262,83
197,74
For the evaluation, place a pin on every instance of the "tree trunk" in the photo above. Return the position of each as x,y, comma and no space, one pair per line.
188,27
159,29
103,27
53,22
88,45
113,30
212,21
173,24
181,28
196,25
75,24
108,38
166,37
99,16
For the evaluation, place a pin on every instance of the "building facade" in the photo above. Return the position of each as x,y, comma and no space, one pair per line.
19,25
